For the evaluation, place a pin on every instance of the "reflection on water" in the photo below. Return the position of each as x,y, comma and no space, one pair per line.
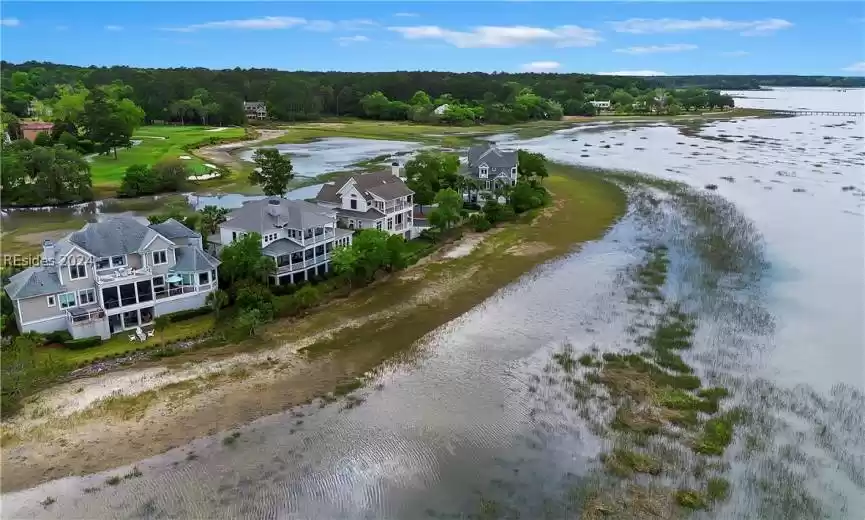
334,154
470,419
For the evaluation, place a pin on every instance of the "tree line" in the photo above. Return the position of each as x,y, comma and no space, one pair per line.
216,96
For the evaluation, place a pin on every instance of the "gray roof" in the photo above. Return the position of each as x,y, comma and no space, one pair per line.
283,246
261,216
193,259
34,281
490,155
115,236
370,214
382,184
172,229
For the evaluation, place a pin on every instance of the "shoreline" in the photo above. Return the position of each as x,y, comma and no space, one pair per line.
211,390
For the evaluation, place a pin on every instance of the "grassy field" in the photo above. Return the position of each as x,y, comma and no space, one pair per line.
157,142
120,344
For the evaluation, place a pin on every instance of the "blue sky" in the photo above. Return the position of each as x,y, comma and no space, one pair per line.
648,37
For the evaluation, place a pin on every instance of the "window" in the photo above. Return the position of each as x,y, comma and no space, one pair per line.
103,263
390,223
77,272
51,301
117,261
203,278
378,225
160,257
67,300
483,171
353,204
514,170
86,296
233,236
187,279
158,285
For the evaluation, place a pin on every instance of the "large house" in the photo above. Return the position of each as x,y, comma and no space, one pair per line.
489,166
371,200
298,235
112,276
255,110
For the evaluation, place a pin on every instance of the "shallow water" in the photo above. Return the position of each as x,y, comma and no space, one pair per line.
334,154
468,416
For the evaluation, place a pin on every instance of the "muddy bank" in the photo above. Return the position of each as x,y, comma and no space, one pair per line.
212,390
222,154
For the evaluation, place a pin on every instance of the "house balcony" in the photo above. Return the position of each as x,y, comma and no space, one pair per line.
80,316
297,265
397,206
123,274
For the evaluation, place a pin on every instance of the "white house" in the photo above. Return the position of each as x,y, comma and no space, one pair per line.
601,105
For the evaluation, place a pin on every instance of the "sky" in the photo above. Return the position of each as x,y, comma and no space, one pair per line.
638,38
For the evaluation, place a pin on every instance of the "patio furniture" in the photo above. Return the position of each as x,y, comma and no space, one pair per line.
133,338
140,334
150,333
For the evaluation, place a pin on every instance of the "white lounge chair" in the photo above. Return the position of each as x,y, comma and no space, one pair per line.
150,333
133,338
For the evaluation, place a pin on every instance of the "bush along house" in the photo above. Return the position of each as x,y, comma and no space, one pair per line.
298,235
378,200
113,276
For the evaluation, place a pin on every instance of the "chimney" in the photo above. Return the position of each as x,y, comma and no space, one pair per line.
395,169
49,253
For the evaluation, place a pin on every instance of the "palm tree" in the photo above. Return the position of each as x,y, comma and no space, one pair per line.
217,300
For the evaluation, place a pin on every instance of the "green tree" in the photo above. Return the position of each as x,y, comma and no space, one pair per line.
171,174
43,139
420,98
344,261
253,295
396,253
447,211
160,323
524,197
621,99
138,180
250,320
217,300
532,165
69,105
273,173
307,296
242,261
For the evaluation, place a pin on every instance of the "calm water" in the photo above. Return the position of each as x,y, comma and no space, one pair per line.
461,422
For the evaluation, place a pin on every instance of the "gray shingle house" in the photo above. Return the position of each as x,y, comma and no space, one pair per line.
255,110
298,235
112,276
489,165
378,200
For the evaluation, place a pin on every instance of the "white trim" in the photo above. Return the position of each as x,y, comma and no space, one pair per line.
74,300
153,256
86,290
69,267
49,298
74,247
158,235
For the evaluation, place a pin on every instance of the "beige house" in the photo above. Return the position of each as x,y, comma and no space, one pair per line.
113,276
372,200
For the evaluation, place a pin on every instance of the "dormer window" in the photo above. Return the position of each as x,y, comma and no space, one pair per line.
483,171
160,257
514,171
77,272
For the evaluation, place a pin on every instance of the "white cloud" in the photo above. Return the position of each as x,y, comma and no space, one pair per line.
541,66
114,28
859,66
345,41
255,24
10,22
735,54
511,36
633,73
651,49
344,25
406,15
665,25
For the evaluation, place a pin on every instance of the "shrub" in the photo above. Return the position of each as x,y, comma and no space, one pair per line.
174,317
43,139
59,336
82,343
480,223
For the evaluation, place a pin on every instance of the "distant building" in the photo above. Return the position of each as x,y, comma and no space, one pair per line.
441,109
31,129
600,105
490,168
255,110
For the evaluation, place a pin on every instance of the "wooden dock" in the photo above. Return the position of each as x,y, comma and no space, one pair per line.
819,113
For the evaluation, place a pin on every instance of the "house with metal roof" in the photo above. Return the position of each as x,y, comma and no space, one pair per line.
298,235
112,276
490,166
380,200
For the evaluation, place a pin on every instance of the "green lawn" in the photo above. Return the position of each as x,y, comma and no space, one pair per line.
157,142
120,344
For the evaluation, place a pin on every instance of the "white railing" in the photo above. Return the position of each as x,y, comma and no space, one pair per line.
122,274
390,208
84,319
303,264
